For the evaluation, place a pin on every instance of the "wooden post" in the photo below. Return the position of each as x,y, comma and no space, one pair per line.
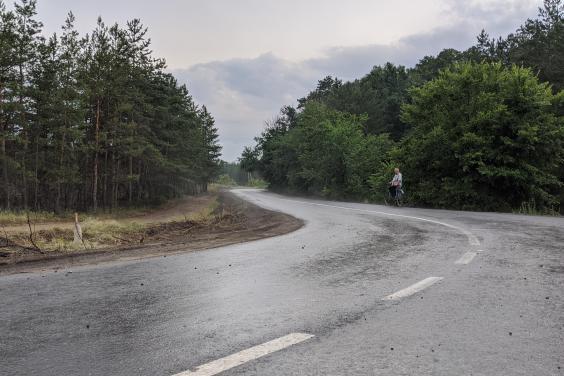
77,231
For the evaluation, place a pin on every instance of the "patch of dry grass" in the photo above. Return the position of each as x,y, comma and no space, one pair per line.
11,218
20,217
102,233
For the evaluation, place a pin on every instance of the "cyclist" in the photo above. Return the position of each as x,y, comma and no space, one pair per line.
395,183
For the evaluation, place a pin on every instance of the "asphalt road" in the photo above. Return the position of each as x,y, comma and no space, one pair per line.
498,309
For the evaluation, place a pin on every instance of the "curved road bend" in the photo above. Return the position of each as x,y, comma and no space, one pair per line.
360,290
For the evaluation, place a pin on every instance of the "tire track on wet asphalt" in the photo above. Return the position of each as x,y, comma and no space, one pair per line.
253,353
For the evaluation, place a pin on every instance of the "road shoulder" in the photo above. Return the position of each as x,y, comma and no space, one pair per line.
236,221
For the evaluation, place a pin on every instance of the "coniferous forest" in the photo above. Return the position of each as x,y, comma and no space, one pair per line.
479,129
94,122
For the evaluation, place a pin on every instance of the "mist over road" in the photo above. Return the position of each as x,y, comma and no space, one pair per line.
359,290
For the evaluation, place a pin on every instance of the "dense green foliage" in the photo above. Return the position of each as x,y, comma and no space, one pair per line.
476,129
94,121
484,136
225,179
538,44
379,95
234,173
326,151
239,173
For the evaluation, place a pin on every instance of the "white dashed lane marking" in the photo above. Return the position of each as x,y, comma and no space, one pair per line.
415,288
237,359
466,258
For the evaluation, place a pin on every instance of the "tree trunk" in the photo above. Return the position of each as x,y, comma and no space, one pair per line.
105,188
113,180
4,159
36,173
4,162
24,131
24,168
97,142
116,186
139,188
61,162
129,179
5,169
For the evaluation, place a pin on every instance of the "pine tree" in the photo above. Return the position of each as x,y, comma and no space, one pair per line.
212,149
28,40
70,113
94,122
8,37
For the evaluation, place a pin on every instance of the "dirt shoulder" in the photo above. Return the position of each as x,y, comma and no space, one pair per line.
233,221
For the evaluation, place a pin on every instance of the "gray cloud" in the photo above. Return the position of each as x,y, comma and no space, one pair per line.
243,93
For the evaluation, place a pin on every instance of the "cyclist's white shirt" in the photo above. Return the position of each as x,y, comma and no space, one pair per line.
397,178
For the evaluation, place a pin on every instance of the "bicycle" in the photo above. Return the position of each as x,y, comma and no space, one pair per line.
396,196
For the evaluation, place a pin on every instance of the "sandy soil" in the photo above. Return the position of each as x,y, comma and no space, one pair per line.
238,221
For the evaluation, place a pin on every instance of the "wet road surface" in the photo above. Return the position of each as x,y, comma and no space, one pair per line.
357,279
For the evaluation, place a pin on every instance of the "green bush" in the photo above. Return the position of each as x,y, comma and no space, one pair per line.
484,137
257,183
226,180
326,153
479,136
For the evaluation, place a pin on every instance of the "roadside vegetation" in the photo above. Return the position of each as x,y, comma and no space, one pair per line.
103,231
192,223
234,174
480,129
20,217
94,123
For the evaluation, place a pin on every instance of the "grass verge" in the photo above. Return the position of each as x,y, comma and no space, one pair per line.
98,232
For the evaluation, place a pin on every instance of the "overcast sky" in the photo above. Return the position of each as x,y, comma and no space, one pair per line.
244,59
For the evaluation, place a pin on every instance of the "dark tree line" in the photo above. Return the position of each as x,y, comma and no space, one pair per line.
94,121
476,129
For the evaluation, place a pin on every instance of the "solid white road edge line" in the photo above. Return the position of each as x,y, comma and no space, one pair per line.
416,287
234,360
466,258
472,239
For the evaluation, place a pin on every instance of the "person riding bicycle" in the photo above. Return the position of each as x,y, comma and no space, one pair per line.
395,183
